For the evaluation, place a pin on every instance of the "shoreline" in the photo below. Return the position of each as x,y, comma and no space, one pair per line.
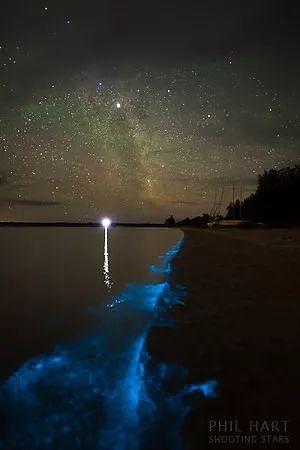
239,325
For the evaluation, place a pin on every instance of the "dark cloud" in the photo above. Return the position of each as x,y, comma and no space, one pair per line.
183,202
24,202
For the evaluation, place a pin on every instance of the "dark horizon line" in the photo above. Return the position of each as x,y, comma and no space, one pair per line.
79,224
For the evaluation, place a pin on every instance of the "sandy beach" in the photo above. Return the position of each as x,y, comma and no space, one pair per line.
239,325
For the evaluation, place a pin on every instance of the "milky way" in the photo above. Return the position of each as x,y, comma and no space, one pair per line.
139,119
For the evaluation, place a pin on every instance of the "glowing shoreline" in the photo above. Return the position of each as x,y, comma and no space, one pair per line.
89,395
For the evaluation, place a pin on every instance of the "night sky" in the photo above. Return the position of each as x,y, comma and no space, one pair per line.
140,109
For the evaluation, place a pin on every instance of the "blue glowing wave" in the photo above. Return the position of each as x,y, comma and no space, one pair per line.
102,392
165,260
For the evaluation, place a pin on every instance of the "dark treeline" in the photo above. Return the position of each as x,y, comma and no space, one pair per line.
198,221
277,198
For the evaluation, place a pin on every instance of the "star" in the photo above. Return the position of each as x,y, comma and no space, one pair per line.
92,116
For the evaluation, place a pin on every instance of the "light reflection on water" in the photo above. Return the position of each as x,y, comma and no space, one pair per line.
107,280
100,392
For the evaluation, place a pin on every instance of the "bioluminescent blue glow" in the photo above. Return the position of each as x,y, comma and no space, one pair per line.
208,388
104,391
165,260
157,269
122,404
143,297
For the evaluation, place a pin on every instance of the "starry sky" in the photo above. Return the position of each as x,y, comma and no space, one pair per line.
143,109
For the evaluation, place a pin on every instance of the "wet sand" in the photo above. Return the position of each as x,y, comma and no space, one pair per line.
240,325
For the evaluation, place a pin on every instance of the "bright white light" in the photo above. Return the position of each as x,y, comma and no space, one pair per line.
106,222
118,105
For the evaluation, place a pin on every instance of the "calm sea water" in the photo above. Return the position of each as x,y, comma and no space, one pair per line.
52,277
76,308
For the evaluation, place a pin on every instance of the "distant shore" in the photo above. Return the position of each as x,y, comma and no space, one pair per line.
228,224
239,325
80,224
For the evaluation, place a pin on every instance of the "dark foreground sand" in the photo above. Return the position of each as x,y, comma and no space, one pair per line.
240,325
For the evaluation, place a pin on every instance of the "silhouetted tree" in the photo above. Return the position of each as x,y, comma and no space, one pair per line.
234,210
276,198
198,221
186,221
170,221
